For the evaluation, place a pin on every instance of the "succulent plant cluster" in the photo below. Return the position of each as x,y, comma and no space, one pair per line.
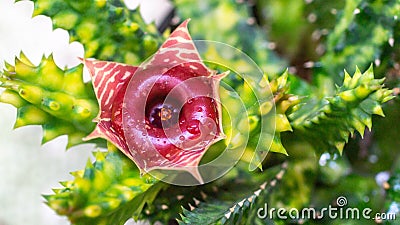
129,40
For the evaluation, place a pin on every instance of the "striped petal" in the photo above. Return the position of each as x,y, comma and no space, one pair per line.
109,81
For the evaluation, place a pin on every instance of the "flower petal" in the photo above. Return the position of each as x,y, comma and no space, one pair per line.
109,81
179,49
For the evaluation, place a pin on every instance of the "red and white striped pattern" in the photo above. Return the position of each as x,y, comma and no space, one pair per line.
179,49
109,79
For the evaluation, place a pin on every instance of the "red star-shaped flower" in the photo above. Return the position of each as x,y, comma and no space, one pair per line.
163,114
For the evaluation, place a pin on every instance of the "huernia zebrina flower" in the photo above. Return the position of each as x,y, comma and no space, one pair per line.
163,114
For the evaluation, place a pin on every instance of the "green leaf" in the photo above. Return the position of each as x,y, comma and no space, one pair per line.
108,191
45,95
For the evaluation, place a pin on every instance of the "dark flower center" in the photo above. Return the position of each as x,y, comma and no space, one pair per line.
162,115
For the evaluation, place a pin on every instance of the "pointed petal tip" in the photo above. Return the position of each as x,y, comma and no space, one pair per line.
194,171
220,136
221,75
186,22
96,133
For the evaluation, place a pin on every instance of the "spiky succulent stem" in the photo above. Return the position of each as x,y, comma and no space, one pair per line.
243,209
350,109
259,111
45,95
108,191
128,40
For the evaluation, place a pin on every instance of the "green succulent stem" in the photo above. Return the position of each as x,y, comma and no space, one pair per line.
108,191
46,95
129,40
349,110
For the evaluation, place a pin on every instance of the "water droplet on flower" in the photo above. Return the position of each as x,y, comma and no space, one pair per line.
199,109
182,138
189,101
193,127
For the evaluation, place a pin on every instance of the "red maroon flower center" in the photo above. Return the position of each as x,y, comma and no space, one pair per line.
161,115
